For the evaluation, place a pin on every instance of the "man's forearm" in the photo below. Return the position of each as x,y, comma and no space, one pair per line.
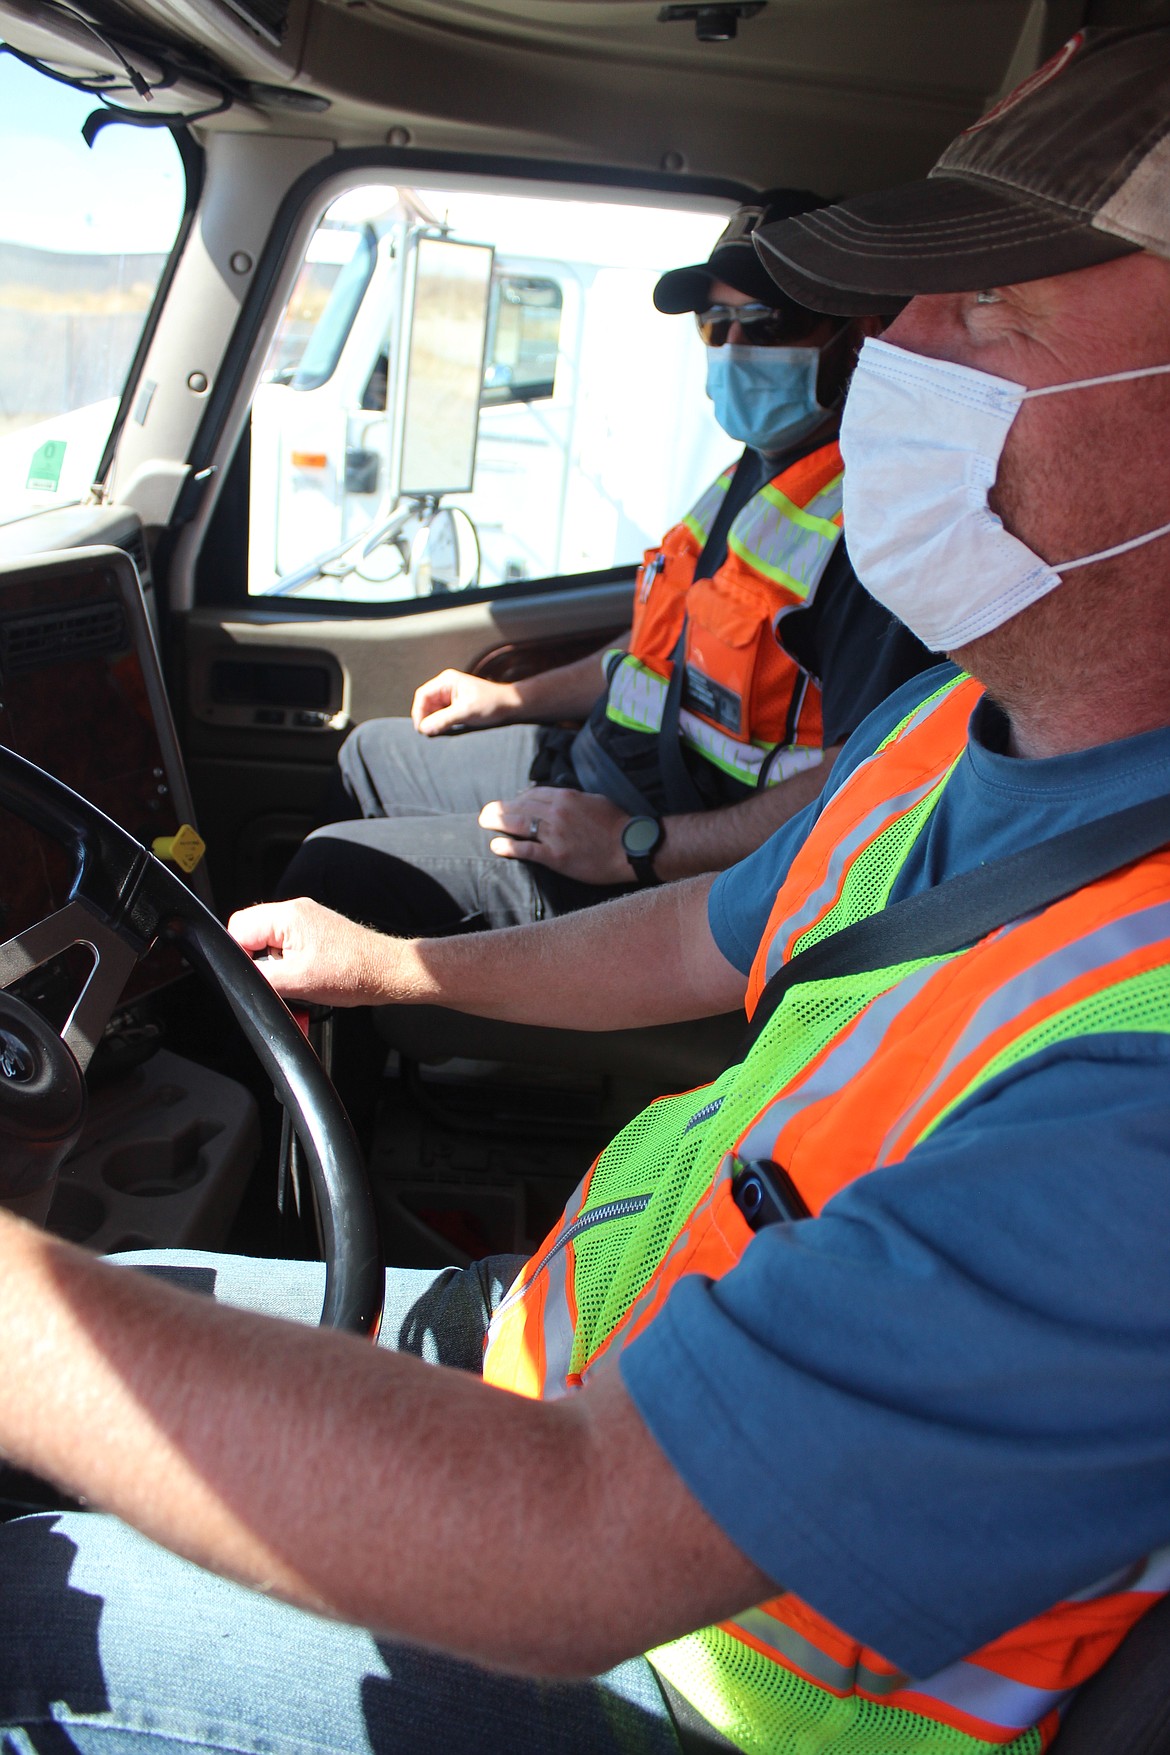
352,1481
715,839
645,959
567,692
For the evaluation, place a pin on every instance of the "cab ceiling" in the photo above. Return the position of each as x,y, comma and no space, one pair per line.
835,95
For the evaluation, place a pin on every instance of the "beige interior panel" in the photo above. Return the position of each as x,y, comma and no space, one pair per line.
260,787
380,662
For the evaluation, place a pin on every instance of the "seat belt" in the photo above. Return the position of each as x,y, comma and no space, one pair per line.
965,908
679,789
597,771
592,762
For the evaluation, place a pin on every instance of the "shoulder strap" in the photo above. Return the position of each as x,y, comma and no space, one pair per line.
592,762
749,476
679,789
680,792
965,908
597,771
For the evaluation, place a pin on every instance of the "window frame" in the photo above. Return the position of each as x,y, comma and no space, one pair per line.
192,159
213,584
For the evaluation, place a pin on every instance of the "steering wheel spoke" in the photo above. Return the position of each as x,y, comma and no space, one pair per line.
121,901
113,959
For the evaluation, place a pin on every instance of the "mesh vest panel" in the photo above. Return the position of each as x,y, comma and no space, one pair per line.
768,1710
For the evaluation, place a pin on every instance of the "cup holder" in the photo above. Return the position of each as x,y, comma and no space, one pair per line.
76,1212
149,1167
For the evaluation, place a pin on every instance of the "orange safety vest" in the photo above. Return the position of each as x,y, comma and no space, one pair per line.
747,707
849,1074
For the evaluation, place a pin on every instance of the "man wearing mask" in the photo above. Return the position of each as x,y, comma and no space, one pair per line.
882,1462
754,653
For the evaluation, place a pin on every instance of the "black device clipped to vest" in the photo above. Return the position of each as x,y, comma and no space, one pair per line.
766,1195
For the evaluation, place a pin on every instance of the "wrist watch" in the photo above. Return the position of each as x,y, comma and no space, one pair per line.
641,839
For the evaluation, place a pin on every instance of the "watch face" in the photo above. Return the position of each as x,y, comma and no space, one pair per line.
641,836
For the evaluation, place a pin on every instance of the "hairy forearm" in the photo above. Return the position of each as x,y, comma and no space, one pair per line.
565,693
715,839
354,1482
645,959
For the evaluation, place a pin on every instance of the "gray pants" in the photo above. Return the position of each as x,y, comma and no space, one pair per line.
414,860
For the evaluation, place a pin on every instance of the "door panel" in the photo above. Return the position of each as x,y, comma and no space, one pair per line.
268,700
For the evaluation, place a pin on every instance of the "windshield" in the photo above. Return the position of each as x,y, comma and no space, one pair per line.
85,233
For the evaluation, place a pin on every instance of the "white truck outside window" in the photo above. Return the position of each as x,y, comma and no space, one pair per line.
594,432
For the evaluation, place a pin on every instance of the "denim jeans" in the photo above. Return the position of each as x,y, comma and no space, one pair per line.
111,1646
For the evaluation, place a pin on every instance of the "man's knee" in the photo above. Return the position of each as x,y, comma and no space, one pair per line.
313,870
372,761
350,755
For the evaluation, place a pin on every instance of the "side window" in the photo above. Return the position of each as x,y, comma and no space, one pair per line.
85,233
523,337
511,344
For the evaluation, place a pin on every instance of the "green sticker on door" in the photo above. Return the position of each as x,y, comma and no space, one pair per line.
44,473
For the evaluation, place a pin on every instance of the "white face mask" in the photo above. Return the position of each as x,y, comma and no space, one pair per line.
921,439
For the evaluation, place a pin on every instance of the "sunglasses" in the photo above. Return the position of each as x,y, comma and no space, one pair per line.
762,325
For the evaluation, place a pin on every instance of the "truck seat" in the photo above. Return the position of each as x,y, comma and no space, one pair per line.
671,1057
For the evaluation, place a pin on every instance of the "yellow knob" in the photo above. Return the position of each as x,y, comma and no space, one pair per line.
185,848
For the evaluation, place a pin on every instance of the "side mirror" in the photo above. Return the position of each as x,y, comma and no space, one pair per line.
445,554
445,337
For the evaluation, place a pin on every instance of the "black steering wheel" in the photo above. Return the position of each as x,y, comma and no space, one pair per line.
121,900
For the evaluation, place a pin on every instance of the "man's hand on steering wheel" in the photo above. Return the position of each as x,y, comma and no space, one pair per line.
310,953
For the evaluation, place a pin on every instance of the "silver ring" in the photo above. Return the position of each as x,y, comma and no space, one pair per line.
534,829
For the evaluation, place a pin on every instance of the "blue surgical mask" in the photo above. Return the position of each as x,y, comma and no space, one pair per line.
765,397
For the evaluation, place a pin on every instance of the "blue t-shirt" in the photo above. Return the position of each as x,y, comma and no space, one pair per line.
944,1404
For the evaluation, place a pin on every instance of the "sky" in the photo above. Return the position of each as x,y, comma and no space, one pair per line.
125,193
604,234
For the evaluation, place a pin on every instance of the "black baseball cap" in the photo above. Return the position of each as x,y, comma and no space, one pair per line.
734,259
1071,168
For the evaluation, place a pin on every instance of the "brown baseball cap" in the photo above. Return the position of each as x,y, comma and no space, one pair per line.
1069,169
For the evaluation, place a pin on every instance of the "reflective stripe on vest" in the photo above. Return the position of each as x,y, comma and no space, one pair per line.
787,543
703,513
849,1074
755,697
637,697
902,780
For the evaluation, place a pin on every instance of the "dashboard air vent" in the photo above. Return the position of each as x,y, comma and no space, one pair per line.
29,642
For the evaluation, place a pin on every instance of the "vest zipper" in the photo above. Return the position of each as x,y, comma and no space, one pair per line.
610,1209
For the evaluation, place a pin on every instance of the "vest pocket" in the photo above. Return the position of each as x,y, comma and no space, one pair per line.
729,629
660,600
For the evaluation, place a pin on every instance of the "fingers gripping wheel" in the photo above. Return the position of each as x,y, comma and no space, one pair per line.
121,900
